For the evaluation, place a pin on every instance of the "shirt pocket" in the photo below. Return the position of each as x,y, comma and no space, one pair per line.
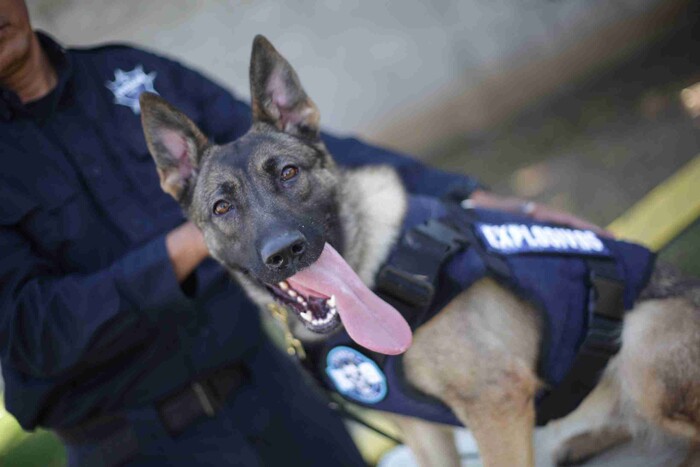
64,226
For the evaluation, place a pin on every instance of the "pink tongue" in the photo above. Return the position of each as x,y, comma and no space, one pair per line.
369,320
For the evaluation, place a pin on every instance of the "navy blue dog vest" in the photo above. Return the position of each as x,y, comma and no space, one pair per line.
581,283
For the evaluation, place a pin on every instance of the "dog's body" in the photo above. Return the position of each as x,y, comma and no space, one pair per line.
269,202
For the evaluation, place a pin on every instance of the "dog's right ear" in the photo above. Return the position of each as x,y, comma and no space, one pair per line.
277,96
174,141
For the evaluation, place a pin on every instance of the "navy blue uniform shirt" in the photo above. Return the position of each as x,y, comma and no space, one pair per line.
92,318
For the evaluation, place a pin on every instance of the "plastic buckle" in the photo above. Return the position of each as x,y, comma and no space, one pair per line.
443,234
604,335
609,296
207,402
409,288
607,310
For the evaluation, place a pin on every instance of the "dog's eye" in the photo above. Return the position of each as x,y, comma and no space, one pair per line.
222,207
288,173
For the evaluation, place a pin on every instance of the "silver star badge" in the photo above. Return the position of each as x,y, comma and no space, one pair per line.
128,86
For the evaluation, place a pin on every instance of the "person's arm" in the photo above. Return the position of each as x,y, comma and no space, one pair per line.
52,323
417,177
421,179
540,212
186,249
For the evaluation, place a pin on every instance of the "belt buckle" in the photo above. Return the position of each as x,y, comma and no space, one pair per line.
208,405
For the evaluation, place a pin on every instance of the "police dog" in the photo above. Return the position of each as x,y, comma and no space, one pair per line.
278,213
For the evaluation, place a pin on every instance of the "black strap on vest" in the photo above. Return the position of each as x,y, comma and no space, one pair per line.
344,412
606,312
408,279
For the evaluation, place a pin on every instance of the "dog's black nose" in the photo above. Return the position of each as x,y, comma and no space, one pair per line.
281,250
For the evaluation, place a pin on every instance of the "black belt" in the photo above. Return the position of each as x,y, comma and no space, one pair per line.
202,397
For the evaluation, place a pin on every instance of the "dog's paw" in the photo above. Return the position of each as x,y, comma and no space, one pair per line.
572,451
583,447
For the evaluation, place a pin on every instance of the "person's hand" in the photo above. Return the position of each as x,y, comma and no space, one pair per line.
539,212
186,249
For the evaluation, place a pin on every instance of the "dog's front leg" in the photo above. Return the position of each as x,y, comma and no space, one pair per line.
502,420
477,356
432,444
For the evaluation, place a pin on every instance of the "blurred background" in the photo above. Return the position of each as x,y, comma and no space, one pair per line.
584,104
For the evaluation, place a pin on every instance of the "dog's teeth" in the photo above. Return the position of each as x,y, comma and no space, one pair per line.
301,300
292,293
317,322
331,302
306,315
283,285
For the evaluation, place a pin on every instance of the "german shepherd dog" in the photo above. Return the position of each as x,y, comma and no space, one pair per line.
277,212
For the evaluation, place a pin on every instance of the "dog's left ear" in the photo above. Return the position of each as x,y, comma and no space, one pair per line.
277,95
175,142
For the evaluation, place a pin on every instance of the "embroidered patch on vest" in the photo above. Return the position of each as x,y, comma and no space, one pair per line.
355,376
128,86
521,238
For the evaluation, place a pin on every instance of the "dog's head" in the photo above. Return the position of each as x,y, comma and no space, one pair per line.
267,203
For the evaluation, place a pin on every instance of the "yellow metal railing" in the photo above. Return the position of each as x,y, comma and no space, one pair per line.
665,211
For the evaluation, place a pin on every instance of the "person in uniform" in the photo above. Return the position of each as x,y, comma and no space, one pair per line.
117,331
